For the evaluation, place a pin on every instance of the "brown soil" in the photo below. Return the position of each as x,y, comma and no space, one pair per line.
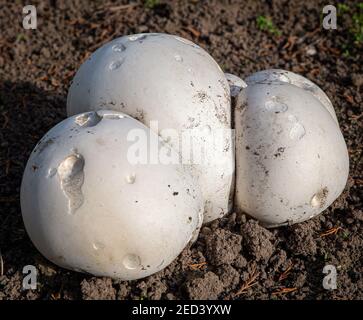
235,257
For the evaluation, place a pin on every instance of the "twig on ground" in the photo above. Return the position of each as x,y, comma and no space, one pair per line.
249,283
197,266
283,291
286,273
330,231
117,8
123,7
193,31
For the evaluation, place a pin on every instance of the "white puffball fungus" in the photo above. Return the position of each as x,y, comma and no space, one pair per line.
87,207
171,80
291,157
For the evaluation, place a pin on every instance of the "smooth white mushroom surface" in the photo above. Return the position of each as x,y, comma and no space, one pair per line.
89,206
174,82
291,158
279,75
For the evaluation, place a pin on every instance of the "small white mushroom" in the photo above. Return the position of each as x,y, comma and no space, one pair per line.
171,80
291,158
279,75
89,206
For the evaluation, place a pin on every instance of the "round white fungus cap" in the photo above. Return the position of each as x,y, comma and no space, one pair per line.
170,80
291,158
91,204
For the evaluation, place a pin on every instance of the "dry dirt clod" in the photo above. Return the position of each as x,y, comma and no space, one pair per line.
249,283
229,276
206,287
302,239
257,240
222,247
98,289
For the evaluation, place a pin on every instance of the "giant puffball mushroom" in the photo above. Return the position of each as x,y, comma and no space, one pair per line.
291,158
279,75
171,80
89,203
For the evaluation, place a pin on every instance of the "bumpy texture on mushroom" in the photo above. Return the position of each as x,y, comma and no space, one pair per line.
279,75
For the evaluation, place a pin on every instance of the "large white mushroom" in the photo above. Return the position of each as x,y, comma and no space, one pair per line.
91,201
291,157
168,79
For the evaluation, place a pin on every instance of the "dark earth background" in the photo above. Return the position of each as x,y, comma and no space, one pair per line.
234,257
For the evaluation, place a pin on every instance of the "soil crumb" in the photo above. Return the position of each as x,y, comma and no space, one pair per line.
222,247
98,289
206,287
257,241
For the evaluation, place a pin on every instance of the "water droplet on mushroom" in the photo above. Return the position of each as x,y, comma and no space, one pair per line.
71,176
130,178
88,119
115,64
318,200
183,40
51,172
283,78
178,58
131,261
277,76
315,201
207,130
137,37
98,246
112,116
275,105
297,131
119,47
